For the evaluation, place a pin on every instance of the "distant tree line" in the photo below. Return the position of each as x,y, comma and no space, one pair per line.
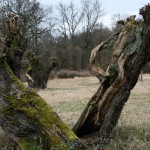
67,32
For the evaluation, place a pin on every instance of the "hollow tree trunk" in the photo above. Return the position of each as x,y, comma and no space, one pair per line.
130,51
27,118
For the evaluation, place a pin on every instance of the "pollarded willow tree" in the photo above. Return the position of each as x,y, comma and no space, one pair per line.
21,108
31,123
24,116
15,42
130,52
38,71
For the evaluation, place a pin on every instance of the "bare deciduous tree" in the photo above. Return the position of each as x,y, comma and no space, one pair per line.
93,11
70,18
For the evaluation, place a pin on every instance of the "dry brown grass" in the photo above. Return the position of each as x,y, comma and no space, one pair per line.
79,90
66,90
68,97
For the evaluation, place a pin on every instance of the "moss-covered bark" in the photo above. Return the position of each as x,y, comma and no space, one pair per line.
28,119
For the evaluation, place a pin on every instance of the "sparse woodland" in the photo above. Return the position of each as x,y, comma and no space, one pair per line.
28,121
68,36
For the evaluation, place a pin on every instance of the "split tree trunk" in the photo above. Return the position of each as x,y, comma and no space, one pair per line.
28,119
130,51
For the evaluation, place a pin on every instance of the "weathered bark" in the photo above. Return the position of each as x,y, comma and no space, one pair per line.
130,51
28,119
40,72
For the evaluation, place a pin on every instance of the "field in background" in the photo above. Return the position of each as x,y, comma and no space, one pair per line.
68,97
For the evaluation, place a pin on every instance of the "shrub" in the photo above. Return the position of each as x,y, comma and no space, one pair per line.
63,74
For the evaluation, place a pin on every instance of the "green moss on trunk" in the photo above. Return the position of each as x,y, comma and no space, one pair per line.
51,130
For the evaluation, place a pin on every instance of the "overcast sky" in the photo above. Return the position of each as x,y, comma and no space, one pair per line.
111,7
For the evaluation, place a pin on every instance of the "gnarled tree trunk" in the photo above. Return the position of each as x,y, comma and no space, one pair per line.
28,119
130,51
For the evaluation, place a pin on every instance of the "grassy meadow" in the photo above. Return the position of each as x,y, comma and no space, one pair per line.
68,97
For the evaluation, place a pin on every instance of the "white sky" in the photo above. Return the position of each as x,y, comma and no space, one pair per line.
111,7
